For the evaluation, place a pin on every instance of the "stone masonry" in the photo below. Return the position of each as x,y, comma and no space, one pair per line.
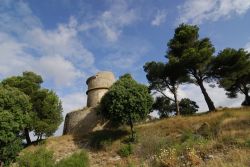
86,120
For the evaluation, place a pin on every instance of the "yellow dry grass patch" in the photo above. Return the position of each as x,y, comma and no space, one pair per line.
231,124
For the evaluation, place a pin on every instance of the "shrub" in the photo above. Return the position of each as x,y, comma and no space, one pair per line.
247,144
75,160
42,157
151,145
126,150
39,158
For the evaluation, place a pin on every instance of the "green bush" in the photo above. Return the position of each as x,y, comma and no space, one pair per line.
44,158
247,144
39,158
126,150
75,160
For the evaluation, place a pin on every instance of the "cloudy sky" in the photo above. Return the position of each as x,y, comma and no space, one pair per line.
66,41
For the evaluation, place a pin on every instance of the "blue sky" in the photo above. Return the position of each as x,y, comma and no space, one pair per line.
67,41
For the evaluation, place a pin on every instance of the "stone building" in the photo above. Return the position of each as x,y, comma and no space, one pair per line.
86,120
97,86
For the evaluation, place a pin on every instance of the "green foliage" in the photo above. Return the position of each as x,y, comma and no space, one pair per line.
46,112
194,55
39,158
28,83
14,108
162,77
126,150
166,108
188,107
75,160
163,106
231,68
42,157
126,102
47,108
247,144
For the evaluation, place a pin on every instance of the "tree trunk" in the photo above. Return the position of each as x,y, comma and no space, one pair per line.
246,102
176,102
27,136
208,100
132,129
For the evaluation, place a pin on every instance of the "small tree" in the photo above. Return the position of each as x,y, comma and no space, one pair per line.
188,107
126,102
162,77
231,68
165,108
14,109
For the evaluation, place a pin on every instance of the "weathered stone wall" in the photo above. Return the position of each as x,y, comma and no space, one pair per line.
97,86
82,122
86,120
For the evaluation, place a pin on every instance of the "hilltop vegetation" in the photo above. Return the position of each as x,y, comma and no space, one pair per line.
211,139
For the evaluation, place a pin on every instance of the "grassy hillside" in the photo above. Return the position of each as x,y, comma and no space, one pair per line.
214,139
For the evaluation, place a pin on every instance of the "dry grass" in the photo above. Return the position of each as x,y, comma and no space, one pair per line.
233,158
225,141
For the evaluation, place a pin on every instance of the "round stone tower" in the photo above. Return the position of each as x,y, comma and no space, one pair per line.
97,86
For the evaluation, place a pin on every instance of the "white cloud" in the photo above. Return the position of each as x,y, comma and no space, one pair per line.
56,54
112,21
159,18
216,94
13,58
125,55
64,73
247,46
198,11
74,101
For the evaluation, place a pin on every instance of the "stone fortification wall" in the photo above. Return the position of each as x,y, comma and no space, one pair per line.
97,86
82,122
86,120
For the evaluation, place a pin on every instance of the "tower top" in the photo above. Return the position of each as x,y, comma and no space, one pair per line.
98,85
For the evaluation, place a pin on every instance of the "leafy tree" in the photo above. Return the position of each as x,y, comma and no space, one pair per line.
46,113
28,83
231,68
163,106
14,109
194,54
162,77
188,107
126,102
166,108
